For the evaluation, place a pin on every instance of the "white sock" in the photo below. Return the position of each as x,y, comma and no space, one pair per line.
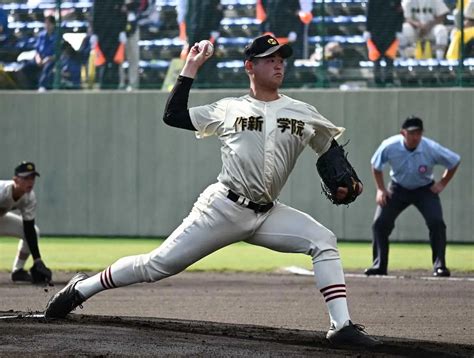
90,286
330,281
20,259
119,274
22,254
18,264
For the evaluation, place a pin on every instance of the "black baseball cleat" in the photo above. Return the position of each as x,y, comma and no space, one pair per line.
351,335
65,300
375,271
441,272
21,275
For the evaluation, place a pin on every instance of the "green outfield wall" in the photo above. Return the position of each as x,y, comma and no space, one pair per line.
109,165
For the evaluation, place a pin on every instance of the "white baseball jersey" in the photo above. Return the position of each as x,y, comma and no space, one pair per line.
261,141
26,204
424,10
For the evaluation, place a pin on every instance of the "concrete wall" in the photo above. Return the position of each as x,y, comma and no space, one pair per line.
109,166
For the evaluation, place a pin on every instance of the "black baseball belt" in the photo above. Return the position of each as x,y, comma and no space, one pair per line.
258,208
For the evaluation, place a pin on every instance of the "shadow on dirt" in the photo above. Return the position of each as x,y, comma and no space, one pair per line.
84,335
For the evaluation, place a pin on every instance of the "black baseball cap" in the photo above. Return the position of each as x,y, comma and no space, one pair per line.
266,45
413,123
25,169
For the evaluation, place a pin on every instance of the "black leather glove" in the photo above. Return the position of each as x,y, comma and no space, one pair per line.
40,273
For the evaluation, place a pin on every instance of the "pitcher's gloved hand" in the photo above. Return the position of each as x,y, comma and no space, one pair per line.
40,273
336,172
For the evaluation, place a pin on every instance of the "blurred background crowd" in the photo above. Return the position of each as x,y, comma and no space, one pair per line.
135,44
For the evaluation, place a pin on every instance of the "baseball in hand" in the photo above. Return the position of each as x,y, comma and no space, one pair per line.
210,48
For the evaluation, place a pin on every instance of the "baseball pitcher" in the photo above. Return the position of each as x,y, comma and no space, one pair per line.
262,135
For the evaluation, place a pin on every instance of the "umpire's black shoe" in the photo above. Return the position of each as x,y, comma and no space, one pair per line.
441,272
21,275
351,335
375,271
65,300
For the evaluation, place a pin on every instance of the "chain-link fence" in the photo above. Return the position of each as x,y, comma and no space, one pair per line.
137,44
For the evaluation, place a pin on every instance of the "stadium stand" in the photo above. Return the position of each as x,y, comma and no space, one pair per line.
335,21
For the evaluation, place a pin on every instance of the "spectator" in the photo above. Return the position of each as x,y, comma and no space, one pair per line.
70,64
286,19
134,9
108,22
203,20
45,53
412,158
283,21
384,25
42,65
181,7
454,49
18,195
424,22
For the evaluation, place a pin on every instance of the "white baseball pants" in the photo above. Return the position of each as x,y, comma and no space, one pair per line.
12,225
438,34
215,222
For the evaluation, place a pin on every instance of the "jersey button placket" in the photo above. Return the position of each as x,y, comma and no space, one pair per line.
270,137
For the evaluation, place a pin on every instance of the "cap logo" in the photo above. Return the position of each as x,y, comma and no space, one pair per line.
266,45
29,167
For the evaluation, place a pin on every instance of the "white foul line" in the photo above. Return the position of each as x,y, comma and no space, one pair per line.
304,272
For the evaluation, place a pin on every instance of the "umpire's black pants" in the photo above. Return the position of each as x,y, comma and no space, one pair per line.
429,205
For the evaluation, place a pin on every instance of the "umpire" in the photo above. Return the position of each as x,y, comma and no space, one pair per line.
411,158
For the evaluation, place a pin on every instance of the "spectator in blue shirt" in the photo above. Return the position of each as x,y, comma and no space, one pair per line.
39,71
45,53
411,158
70,67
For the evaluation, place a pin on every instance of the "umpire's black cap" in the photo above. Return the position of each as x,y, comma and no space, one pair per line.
25,169
266,45
413,123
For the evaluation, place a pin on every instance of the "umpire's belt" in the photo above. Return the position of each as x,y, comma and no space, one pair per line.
241,200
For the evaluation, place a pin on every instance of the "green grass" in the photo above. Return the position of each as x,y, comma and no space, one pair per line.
93,254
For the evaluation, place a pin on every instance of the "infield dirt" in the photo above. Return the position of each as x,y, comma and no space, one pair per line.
241,315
